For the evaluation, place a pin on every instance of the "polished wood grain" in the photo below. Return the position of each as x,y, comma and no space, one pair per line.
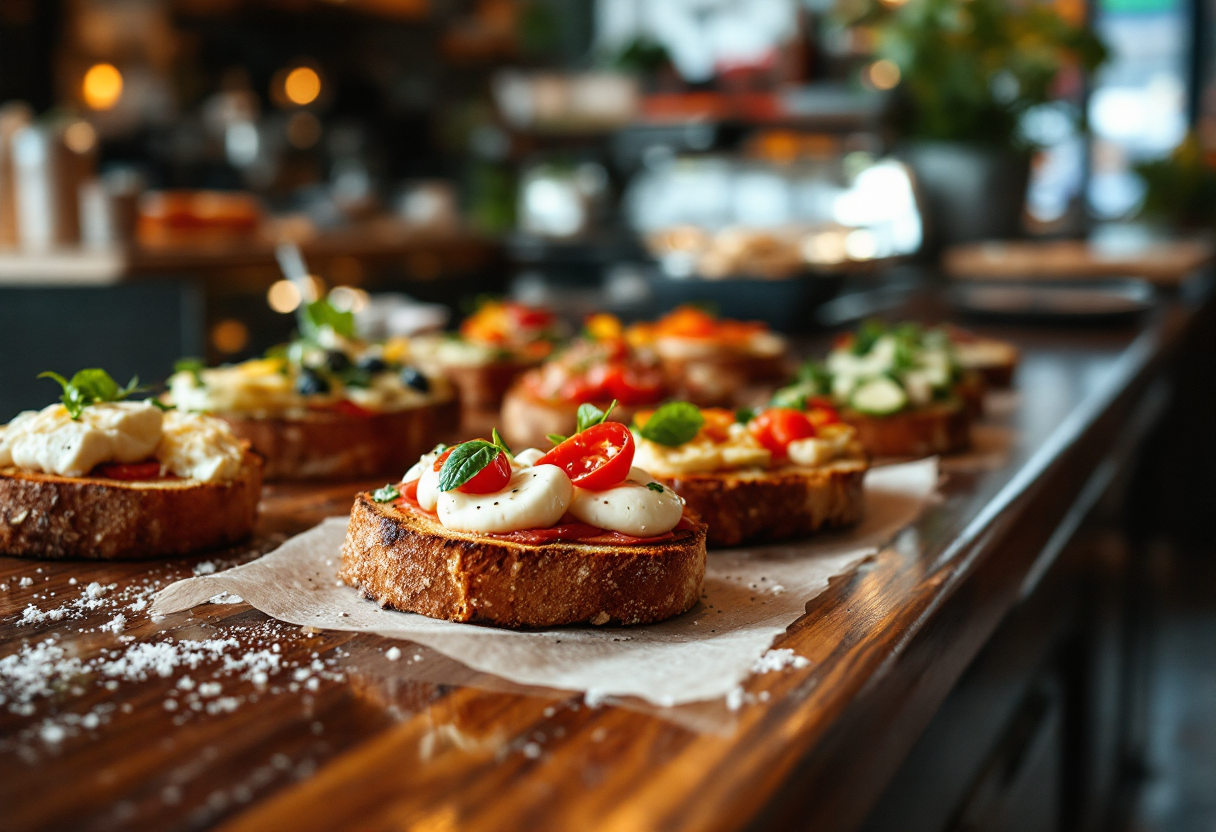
424,744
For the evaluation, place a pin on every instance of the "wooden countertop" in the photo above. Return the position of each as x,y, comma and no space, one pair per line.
334,735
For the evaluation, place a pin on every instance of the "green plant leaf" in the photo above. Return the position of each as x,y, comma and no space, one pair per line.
673,424
315,316
555,438
386,494
91,386
193,366
498,440
466,461
744,415
590,415
656,487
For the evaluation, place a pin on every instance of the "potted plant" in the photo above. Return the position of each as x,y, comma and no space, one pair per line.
968,71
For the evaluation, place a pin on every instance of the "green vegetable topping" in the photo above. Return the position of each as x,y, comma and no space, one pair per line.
315,316
91,386
589,415
673,424
193,366
744,415
386,494
501,444
555,438
654,486
466,461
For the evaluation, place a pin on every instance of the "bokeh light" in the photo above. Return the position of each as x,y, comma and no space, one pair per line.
302,86
283,297
102,86
883,74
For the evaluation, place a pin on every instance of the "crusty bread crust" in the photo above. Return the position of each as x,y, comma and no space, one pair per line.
757,505
527,420
725,378
406,561
998,376
48,516
923,431
328,445
482,386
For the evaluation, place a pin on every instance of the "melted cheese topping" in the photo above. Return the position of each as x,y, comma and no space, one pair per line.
197,447
189,446
630,508
703,454
266,386
535,498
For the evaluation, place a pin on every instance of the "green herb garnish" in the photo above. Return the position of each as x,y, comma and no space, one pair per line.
193,366
91,386
673,424
744,415
466,461
315,316
589,415
555,438
386,494
498,441
654,486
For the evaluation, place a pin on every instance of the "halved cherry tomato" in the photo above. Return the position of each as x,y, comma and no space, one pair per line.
409,491
596,458
494,477
717,423
633,385
149,470
776,427
820,416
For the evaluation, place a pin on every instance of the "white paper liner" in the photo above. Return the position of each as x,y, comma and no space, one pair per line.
751,596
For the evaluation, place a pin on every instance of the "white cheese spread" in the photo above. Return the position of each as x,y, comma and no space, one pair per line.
702,454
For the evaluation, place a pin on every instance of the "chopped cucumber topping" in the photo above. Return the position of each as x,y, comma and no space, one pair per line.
879,397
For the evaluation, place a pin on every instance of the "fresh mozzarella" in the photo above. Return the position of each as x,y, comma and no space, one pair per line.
630,508
535,498
811,452
528,457
428,487
198,447
425,463
52,442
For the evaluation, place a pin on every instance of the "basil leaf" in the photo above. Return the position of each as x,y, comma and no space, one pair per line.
744,415
319,314
161,406
498,441
555,438
654,486
91,386
589,415
386,494
673,424
466,461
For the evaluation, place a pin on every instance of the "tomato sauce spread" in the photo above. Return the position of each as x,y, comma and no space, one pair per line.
568,530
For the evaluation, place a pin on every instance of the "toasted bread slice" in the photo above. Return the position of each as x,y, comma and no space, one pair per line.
527,420
329,445
766,505
49,516
724,378
407,561
923,431
482,386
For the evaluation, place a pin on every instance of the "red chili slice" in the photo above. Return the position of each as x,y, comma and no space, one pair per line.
596,458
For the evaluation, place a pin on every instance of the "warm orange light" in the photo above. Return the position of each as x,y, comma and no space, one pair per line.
102,86
302,85
884,74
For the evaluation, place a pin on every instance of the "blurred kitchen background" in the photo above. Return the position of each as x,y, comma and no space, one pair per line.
773,158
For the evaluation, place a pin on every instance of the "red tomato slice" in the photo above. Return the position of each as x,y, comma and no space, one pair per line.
349,408
597,458
633,385
820,416
129,470
494,477
409,491
776,427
